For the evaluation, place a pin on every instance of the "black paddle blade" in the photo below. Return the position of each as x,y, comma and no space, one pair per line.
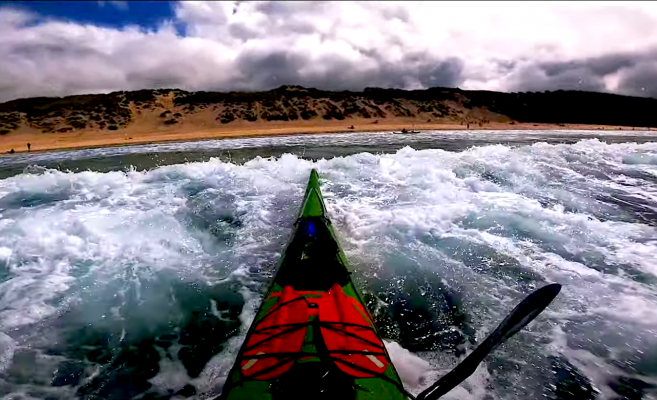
523,314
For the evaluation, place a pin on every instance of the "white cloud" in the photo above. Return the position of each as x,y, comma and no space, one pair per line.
260,45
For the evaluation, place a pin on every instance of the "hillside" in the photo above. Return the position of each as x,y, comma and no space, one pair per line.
164,107
171,110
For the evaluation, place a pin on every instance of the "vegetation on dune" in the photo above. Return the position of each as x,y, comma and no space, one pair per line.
570,107
289,103
50,114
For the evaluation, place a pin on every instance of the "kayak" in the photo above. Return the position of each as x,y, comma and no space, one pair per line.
313,336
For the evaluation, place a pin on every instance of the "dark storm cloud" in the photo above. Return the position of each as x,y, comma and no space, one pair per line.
269,70
273,69
638,74
641,81
599,66
539,77
609,64
504,66
443,73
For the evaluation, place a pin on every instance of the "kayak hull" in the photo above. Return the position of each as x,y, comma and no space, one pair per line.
313,337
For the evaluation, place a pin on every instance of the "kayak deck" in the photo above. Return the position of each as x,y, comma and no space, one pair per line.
313,336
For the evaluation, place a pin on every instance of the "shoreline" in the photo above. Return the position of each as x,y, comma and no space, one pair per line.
93,139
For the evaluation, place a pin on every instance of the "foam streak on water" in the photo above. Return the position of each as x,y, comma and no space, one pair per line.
133,284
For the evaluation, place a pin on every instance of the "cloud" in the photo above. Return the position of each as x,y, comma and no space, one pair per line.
623,73
640,80
271,69
334,45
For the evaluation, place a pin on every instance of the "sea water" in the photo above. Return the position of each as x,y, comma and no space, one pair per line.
134,272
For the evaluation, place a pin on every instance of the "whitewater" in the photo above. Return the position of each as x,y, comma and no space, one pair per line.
134,272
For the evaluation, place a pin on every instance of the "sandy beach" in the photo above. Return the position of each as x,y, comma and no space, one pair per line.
96,138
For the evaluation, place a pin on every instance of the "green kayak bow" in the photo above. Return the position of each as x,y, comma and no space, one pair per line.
313,337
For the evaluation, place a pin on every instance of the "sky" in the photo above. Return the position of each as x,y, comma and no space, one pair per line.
63,48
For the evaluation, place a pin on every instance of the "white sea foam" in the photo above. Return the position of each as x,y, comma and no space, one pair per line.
410,367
